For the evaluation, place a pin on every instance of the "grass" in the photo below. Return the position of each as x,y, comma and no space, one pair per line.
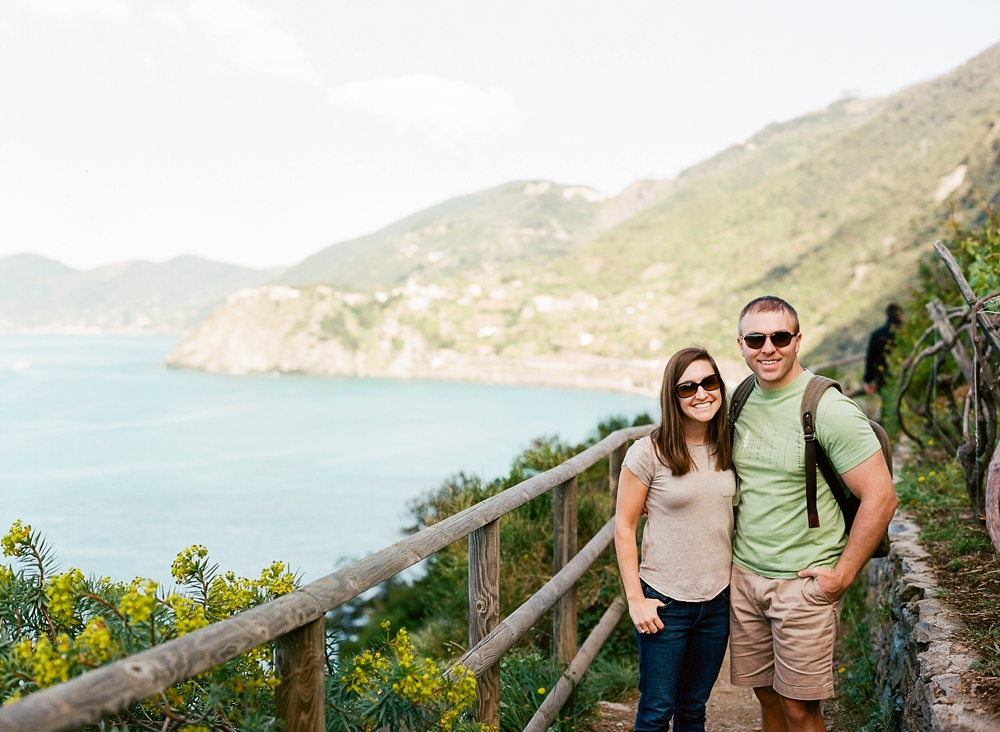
858,707
933,493
527,675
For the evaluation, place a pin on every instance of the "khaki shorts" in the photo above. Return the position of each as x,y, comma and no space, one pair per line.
782,633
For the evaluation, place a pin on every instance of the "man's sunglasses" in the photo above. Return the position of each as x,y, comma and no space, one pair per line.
780,339
687,389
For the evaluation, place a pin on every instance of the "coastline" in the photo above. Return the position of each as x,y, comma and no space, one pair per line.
579,372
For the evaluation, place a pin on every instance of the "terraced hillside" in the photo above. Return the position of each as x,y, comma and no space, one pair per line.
543,283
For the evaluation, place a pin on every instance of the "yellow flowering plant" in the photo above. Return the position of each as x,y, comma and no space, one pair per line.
389,686
54,626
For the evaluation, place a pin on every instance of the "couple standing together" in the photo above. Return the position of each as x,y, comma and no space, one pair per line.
763,580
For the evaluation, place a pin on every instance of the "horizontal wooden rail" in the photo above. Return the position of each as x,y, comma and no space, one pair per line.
502,638
86,699
577,668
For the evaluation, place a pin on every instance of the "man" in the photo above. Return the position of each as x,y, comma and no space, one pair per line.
788,579
880,343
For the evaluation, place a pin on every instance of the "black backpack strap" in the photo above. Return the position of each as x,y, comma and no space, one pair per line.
815,389
738,399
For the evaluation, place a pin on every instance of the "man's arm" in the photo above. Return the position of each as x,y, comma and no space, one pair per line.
871,482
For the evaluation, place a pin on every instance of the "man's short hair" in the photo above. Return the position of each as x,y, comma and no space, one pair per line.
767,304
893,312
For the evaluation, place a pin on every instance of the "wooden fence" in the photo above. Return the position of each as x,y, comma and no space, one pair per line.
296,622
967,427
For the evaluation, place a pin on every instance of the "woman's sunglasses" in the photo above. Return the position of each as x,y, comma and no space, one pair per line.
780,339
687,389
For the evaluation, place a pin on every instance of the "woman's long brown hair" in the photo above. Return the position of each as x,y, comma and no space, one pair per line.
668,438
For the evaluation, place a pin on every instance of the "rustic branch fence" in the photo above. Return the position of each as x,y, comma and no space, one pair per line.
296,622
967,425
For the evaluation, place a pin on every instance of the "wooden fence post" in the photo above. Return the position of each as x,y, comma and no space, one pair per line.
564,548
484,614
615,460
940,318
299,659
968,294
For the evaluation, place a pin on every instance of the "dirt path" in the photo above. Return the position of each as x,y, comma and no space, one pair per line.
729,710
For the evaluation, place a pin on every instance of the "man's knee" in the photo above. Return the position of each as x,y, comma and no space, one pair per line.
767,696
797,711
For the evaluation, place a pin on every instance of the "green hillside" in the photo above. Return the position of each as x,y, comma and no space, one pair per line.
510,228
534,282
830,211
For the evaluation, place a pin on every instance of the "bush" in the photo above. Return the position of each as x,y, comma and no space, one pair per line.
57,626
54,627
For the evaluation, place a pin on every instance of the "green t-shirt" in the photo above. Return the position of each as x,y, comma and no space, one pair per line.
773,538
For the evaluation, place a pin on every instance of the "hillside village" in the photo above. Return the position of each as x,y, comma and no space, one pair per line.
536,282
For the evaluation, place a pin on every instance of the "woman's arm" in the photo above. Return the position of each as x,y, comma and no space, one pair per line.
631,498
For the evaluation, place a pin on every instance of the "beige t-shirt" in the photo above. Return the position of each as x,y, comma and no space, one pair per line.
687,543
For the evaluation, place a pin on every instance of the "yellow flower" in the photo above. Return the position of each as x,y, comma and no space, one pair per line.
50,663
541,690
275,581
15,697
931,473
841,670
404,649
138,605
920,479
16,540
62,592
189,616
187,563
6,574
94,645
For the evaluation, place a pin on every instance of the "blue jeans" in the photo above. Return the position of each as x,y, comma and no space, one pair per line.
679,665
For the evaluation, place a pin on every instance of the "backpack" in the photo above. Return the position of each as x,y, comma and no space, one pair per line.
815,455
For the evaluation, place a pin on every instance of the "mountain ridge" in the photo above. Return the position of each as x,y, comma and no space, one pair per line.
831,210
39,294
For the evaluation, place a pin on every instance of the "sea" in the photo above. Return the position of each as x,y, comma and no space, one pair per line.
120,462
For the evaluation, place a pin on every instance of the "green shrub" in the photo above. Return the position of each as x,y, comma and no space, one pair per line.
54,627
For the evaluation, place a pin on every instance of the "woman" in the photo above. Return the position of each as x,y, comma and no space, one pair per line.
679,597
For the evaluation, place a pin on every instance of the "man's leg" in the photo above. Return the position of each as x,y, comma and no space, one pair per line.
804,627
803,716
771,712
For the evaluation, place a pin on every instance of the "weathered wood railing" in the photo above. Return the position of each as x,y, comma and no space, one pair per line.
296,622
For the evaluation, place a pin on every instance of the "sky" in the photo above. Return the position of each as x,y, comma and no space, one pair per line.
261,132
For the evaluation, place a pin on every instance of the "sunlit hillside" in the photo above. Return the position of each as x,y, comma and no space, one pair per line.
534,281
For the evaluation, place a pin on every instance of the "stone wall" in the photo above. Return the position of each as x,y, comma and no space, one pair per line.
923,664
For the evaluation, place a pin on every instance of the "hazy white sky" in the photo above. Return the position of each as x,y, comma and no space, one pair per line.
259,132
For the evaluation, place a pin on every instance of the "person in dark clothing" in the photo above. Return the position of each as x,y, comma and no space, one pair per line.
880,343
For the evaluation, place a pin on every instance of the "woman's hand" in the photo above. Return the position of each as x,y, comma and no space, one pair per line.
644,614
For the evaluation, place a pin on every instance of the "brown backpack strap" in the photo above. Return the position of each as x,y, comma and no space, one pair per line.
815,389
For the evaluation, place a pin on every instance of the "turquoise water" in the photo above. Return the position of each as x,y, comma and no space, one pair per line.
122,462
